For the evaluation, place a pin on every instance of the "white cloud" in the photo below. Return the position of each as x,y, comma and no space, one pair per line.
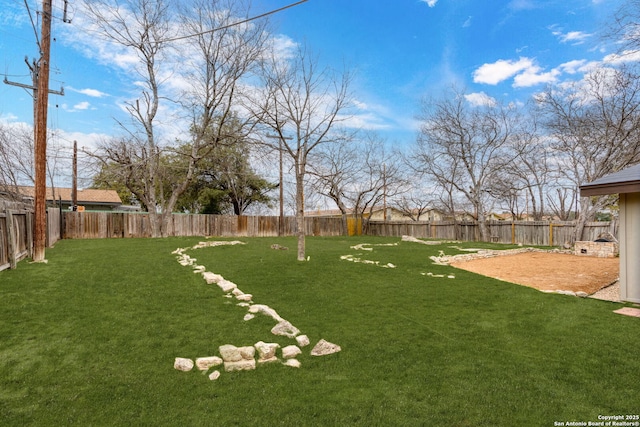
573,37
468,22
573,67
82,106
517,5
94,93
8,117
501,70
480,99
533,76
430,3
626,56
360,105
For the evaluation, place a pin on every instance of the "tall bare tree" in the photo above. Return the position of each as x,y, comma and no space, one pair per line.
357,174
140,27
529,175
201,47
464,148
595,125
303,105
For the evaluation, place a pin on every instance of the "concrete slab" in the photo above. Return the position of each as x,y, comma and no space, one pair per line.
629,311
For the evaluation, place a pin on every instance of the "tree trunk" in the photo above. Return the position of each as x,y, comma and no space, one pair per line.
300,213
345,224
482,225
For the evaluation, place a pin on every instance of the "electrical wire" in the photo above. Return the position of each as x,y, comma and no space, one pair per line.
35,29
236,23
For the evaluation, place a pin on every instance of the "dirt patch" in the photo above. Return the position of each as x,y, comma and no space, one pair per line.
548,271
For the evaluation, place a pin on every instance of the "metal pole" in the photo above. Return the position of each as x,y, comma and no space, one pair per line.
281,218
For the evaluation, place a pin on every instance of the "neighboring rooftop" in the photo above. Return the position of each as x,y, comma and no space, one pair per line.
625,181
85,197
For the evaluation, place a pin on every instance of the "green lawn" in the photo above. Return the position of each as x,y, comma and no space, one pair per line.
90,339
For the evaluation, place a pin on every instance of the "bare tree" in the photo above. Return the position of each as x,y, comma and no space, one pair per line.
595,125
141,27
625,27
415,202
303,105
334,172
357,174
529,174
562,203
463,148
16,156
209,64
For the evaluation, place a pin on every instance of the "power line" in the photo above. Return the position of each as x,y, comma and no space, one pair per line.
236,23
35,30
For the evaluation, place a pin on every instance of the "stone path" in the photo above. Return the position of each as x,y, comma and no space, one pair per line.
242,358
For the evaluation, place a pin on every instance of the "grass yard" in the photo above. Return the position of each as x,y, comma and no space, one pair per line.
90,339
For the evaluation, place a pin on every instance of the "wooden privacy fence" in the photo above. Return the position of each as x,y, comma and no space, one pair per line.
16,238
537,233
100,225
16,231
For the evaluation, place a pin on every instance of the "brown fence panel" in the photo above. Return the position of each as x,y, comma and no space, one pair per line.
82,225
536,233
4,242
53,226
16,234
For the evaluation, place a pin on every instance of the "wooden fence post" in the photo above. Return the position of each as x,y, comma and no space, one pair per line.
11,236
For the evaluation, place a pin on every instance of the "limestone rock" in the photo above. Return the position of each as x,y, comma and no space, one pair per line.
266,351
294,363
226,285
323,348
285,329
211,278
302,340
204,363
247,352
242,365
244,297
265,310
291,351
183,364
248,316
230,353
214,375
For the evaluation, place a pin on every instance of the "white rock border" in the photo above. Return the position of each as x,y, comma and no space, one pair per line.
243,358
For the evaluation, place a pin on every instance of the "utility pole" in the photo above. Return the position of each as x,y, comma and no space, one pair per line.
42,105
74,179
40,87
281,218
34,68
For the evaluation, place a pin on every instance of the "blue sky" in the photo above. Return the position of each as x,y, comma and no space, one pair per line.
400,50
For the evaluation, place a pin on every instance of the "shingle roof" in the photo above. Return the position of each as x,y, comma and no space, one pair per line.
86,196
625,181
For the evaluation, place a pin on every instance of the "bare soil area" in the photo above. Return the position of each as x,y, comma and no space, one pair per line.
548,271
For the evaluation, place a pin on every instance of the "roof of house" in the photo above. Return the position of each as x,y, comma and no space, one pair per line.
86,196
625,181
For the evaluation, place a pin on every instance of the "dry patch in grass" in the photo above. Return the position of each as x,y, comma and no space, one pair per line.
548,271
